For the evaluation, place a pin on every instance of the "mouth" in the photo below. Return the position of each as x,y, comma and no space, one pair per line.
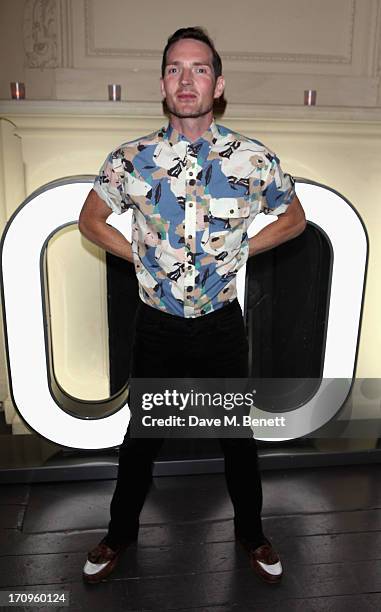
186,95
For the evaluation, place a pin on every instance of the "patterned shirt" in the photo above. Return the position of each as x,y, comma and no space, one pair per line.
192,204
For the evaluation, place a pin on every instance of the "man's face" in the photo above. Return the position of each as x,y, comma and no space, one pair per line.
189,85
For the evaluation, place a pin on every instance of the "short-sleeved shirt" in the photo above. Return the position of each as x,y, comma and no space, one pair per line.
192,203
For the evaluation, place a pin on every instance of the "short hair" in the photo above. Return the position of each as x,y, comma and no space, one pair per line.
196,33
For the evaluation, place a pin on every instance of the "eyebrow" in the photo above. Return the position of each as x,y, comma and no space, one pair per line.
177,63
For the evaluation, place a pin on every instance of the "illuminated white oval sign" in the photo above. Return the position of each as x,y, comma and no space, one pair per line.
46,211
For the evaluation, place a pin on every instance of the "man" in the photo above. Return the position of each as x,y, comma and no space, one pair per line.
194,188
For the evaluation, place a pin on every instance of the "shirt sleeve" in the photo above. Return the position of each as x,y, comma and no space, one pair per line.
278,189
111,184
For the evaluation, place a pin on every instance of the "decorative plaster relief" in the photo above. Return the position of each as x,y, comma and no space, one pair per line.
347,24
41,33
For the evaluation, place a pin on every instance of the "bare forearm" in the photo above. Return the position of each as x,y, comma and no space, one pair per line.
274,234
108,238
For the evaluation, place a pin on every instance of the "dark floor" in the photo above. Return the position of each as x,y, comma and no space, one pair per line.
325,522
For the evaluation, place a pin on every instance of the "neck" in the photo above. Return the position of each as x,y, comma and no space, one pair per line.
191,127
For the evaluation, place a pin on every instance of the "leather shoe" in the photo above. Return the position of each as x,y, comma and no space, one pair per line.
264,560
101,561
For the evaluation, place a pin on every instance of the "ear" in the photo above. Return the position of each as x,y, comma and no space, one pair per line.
219,87
162,88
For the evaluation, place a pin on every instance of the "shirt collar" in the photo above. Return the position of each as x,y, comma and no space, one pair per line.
211,135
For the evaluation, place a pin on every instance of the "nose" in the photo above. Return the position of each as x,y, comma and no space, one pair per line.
186,76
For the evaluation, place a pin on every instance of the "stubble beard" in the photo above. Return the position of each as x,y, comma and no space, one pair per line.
190,114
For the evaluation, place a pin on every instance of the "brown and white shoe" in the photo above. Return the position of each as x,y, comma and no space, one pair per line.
101,561
264,560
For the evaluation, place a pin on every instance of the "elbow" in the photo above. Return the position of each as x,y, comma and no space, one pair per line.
295,226
297,217
302,225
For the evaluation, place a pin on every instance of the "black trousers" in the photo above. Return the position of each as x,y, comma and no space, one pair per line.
167,346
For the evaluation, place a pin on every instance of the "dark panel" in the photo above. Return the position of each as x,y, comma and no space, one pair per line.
122,302
287,298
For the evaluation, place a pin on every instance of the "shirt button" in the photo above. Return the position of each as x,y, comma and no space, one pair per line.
190,288
232,211
190,237
190,173
192,182
190,204
189,267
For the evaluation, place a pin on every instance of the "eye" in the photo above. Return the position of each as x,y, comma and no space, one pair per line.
171,70
201,70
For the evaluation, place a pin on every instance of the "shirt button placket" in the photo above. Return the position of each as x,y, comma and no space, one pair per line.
190,236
